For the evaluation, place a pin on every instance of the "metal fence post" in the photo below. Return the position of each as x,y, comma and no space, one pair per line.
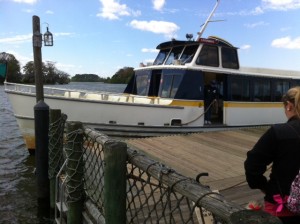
115,156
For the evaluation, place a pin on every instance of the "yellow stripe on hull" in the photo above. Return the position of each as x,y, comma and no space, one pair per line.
189,103
252,105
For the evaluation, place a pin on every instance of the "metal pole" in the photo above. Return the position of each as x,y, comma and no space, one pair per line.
41,121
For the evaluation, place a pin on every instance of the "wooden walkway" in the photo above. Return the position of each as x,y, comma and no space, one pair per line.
221,154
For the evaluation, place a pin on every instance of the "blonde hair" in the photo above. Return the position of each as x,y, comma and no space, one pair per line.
293,96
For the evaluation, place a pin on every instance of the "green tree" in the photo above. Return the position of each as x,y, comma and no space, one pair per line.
51,74
63,77
123,75
13,67
28,73
86,78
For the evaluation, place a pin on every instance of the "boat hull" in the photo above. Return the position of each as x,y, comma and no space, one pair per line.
130,116
114,118
118,131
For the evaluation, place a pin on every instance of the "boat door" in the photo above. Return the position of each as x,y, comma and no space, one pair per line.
213,98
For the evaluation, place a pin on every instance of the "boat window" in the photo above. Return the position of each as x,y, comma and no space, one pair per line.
170,85
280,88
154,83
161,56
240,89
174,55
262,90
190,86
131,87
229,58
142,85
188,54
208,56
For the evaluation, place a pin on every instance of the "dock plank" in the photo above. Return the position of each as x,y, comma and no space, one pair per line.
221,154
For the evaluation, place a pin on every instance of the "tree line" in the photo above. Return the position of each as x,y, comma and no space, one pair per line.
123,75
52,75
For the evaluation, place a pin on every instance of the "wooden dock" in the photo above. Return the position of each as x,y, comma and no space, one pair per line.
221,154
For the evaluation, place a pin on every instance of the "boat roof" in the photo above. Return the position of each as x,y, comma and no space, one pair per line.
253,71
213,40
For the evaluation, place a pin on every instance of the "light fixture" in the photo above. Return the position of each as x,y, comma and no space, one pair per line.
37,38
48,38
189,36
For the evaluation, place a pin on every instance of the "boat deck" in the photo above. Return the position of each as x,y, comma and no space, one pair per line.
221,154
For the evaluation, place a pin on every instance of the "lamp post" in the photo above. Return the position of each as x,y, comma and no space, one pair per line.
41,118
37,54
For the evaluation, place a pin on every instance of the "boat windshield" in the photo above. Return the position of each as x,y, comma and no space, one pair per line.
161,56
174,55
188,53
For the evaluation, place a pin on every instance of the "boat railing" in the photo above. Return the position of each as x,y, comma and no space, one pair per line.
62,92
20,87
89,95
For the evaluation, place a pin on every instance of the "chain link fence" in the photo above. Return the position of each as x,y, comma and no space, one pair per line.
155,193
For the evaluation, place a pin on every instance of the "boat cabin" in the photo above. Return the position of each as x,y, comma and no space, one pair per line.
182,69
212,51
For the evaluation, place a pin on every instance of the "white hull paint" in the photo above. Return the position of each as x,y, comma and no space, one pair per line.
107,114
111,117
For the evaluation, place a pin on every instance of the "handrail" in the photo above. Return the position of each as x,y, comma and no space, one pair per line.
77,94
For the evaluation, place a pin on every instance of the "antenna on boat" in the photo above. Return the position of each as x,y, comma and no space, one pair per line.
207,20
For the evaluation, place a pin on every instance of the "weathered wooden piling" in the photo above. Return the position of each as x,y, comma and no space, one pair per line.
74,171
115,155
37,57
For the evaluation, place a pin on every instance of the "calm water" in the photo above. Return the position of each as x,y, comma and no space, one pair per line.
18,202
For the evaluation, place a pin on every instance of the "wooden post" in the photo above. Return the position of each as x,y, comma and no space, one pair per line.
55,151
41,118
74,185
37,58
115,155
253,217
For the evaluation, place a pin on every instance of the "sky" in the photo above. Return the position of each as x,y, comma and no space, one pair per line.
102,36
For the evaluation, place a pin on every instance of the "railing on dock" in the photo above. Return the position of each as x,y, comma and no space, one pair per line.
105,181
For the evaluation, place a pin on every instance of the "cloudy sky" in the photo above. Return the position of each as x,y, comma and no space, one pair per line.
102,36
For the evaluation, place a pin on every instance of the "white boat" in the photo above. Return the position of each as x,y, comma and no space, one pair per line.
167,97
